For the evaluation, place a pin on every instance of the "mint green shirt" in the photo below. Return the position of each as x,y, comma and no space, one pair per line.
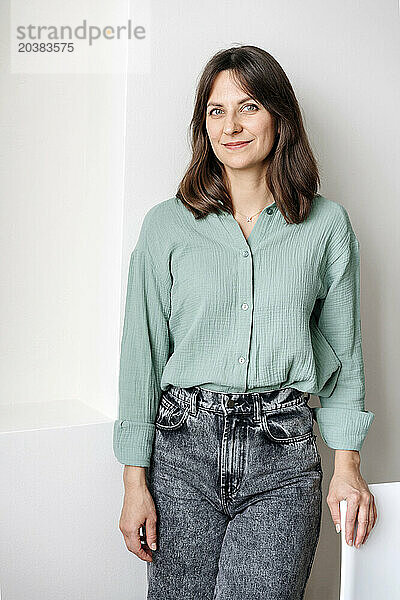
206,307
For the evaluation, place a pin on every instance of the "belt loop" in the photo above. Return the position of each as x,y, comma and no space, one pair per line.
193,401
257,407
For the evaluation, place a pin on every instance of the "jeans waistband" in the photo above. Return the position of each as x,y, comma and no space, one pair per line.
240,403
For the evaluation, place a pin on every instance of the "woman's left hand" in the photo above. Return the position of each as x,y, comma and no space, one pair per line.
348,484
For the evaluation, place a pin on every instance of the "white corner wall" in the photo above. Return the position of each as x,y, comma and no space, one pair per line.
62,148
62,165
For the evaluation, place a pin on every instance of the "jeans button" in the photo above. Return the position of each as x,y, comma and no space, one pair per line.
230,403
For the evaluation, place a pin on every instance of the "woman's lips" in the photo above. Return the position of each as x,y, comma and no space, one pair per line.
235,145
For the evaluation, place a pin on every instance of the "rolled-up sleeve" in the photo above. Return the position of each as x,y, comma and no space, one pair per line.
144,353
342,418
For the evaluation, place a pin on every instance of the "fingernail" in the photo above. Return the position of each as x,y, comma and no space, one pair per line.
153,546
358,545
337,527
350,542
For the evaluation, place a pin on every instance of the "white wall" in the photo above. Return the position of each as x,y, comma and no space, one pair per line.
343,61
62,143
62,166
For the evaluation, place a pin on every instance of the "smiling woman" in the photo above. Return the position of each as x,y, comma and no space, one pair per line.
247,123
242,300
241,131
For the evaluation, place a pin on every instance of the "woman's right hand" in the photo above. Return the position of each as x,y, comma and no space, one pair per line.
138,511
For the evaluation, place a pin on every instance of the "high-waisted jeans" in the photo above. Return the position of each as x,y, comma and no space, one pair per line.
236,481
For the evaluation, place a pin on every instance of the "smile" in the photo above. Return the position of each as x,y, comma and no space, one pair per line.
236,145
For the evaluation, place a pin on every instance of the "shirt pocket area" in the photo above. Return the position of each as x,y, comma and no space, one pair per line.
172,412
288,424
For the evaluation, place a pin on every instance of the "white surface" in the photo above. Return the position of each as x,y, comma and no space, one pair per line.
60,500
43,415
372,571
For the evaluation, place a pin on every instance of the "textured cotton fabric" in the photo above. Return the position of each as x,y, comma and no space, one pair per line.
206,307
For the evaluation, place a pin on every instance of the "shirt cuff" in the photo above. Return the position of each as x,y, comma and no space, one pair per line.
133,442
342,428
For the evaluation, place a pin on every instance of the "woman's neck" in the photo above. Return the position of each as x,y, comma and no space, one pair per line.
248,191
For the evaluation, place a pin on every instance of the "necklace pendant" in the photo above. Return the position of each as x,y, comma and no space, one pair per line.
249,219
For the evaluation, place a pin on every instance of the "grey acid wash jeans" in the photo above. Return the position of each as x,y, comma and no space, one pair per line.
236,481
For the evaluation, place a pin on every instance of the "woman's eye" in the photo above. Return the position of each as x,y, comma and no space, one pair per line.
253,105
212,110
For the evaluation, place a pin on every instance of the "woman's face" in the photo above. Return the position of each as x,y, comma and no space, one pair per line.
232,116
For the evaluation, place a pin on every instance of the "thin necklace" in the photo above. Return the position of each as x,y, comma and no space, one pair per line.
249,219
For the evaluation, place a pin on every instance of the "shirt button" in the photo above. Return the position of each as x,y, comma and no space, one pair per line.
242,359
245,253
270,211
245,306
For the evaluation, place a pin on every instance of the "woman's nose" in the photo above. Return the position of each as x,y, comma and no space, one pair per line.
231,125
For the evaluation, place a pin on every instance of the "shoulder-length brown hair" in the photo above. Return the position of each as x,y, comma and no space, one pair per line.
292,172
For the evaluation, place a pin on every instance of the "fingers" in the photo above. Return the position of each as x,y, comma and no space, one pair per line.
360,506
151,533
134,545
353,501
335,512
362,518
372,517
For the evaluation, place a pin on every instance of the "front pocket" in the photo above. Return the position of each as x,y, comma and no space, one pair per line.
290,424
171,412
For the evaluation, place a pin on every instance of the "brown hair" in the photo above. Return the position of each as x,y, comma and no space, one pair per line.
292,172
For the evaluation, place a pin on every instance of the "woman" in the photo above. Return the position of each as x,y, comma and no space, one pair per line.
242,300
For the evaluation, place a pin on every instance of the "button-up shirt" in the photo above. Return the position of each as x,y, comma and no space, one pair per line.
207,307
